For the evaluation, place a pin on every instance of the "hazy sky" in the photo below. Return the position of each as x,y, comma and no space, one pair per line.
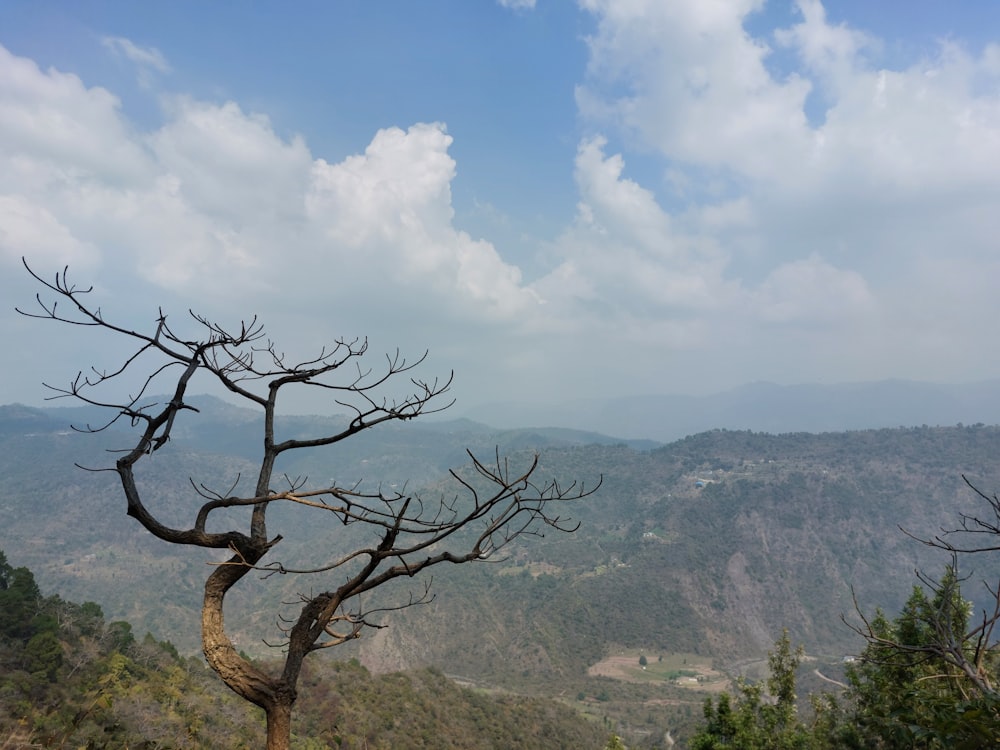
558,199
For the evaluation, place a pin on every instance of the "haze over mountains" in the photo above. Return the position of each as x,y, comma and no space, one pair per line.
763,407
760,407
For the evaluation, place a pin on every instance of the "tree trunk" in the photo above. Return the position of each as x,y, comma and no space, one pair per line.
279,725
275,695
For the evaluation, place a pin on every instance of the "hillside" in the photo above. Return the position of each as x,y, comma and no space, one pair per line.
781,530
70,679
704,548
791,520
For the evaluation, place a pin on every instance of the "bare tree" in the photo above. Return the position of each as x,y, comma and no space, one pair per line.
493,506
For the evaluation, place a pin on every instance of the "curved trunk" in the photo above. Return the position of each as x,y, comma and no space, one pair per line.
273,695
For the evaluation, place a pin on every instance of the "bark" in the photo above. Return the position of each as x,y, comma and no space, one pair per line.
274,695
279,725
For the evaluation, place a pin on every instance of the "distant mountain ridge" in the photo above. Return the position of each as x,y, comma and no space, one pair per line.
17,418
645,421
763,407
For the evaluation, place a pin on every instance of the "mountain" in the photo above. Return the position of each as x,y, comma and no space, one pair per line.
717,522
764,407
714,543
16,419
702,549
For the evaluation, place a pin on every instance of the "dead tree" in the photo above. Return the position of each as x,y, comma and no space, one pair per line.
408,533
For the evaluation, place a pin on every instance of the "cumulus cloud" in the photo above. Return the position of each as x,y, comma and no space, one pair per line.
231,164
634,267
630,249
30,230
54,128
690,81
812,291
833,52
213,205
686,78
391,207
820,223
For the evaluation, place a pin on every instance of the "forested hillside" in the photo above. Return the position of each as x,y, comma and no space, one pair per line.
703,549
70,679
736,534
715,543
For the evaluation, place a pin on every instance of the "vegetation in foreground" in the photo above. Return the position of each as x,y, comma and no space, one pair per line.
924,682
68,679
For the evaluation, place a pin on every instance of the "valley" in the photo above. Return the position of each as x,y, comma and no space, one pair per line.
694,554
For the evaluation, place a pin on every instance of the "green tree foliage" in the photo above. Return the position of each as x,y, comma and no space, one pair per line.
43,655
929,679
19,600
763,715
834,724
910,689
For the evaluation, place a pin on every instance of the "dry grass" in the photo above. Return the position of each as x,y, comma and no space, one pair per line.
682,670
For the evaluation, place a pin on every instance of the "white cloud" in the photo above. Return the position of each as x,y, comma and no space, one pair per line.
686,78
833,52
775,245
30,230
54,129
825,226
231,164
215,208
812,291
391,206
689,81
634,270
517,4
403,175
146,59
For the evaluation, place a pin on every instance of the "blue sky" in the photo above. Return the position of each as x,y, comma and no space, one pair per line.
560,199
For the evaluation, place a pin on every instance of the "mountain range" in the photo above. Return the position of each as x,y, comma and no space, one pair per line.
701,548
762,407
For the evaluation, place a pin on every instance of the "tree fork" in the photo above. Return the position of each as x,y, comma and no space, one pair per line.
498,506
